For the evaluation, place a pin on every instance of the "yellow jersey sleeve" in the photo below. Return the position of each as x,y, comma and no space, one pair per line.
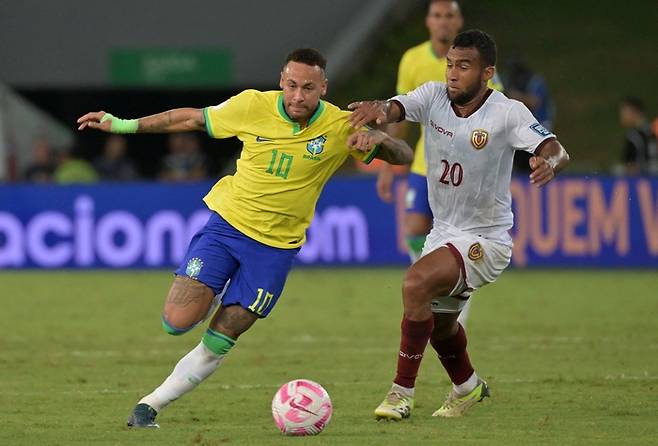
228,118
405,74
496,83
364,157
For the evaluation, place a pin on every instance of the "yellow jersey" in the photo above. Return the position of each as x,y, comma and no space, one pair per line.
282,168
419,65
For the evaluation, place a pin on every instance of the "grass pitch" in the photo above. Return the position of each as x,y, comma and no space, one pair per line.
571,358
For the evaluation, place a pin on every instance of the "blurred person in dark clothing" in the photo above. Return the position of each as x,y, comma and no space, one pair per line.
42,166
185,161
524,85
639,153
113,164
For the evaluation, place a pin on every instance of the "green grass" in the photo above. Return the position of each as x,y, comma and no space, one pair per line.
571,357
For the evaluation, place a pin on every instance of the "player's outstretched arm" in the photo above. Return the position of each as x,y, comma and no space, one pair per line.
378,112
392,150
551,159
171,121
385,176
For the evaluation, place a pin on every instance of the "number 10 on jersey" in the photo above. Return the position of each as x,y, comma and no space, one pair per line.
282,167
452,174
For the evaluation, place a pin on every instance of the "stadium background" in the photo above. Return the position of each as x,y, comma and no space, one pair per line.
584,338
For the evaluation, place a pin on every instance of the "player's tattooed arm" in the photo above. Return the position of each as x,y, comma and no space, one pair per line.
392,150
375,112
549,160
176,120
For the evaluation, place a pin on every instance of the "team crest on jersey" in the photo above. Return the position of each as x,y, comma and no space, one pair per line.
479,138
475,251
194,266
316,146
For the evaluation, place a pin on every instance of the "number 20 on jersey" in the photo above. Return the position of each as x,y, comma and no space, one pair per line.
452,174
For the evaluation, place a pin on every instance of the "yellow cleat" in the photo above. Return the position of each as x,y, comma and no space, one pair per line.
395,406
456,404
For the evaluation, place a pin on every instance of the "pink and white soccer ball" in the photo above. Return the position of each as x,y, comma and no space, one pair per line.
301,407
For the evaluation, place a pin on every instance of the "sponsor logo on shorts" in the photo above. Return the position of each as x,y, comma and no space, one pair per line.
194,266
479,138
475,251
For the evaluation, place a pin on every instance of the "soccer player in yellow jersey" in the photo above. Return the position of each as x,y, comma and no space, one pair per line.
292,143
419,64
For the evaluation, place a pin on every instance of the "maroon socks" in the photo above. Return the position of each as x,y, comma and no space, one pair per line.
453,356
413,341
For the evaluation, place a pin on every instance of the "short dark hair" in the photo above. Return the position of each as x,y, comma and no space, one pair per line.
308,56
481,41
635,103
431,2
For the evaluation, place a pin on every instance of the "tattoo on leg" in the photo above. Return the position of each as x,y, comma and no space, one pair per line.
185,291
233,321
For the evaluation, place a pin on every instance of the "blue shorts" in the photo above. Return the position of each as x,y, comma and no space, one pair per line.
416,200
257,272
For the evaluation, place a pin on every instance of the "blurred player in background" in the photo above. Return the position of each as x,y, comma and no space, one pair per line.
423,63
292,143
529,87
640,152
471,134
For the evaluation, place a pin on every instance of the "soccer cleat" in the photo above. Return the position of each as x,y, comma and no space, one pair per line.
143,416
455,405
395,406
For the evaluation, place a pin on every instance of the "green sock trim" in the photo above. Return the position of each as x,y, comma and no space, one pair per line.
216,342
415,244
173,330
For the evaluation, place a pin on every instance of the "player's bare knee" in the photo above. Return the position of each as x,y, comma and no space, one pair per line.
416,298
187,304
415,289
173,328
232,321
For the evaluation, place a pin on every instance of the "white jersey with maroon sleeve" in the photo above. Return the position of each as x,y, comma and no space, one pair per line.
469,158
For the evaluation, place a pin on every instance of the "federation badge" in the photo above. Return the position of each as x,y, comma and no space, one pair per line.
316,146
540,129
479,138
194,266
475,252
410,198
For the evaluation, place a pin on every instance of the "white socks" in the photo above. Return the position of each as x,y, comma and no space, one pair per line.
467,386
193,368
462,389
406,391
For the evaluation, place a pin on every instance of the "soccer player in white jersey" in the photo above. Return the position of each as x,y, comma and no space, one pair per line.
471,133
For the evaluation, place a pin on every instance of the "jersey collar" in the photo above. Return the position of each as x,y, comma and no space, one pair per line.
295,125
484,99
431,50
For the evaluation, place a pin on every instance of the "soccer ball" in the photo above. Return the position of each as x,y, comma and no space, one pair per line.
301,407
